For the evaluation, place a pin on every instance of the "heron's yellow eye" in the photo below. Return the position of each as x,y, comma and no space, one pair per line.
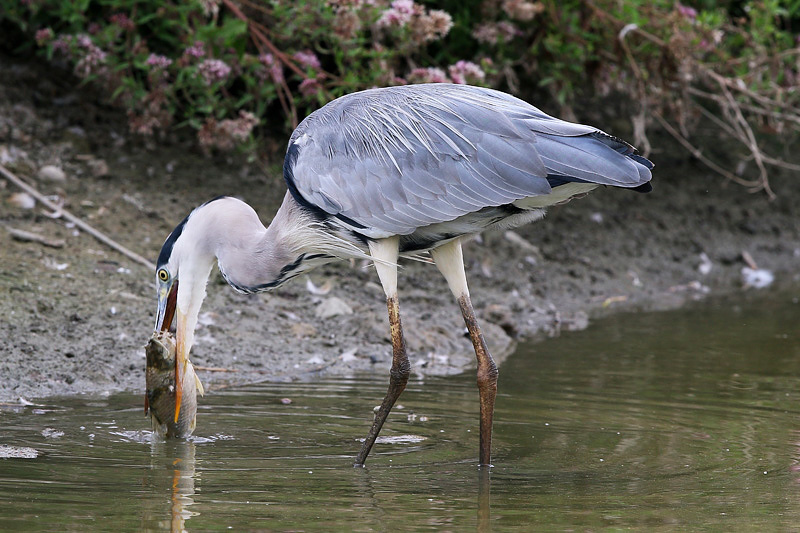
162,274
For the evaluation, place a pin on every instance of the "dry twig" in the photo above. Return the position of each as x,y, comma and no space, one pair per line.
745,101
29,236
102,237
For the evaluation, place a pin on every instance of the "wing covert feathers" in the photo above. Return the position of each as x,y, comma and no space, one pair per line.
391,160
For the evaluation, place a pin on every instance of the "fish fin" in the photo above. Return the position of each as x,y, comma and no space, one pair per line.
199,386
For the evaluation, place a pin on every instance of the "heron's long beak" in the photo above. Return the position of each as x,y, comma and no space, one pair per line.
167,300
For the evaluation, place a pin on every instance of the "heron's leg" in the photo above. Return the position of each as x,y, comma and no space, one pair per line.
385,252
450,262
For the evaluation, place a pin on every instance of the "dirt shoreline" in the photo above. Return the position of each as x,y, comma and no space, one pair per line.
76,318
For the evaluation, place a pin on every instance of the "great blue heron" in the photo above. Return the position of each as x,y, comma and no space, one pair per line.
390,172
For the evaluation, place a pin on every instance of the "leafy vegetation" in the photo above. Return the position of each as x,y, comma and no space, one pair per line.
229,68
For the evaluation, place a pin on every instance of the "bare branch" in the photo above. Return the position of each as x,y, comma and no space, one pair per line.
753,185
102,237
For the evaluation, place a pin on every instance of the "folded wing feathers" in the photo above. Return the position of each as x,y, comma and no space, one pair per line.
397,159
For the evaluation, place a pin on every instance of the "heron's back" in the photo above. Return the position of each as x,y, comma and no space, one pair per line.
390,161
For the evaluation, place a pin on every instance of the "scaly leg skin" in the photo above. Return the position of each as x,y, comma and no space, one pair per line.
398,377
487,379
385,252
450,261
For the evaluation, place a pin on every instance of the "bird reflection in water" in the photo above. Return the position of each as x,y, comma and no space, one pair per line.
172,473
484,508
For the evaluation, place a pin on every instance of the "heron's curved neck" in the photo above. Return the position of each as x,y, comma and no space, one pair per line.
250,256
253,258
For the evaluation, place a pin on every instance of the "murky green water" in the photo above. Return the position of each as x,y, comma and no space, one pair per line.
683,420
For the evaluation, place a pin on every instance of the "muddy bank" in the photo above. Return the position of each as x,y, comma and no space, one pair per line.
75,318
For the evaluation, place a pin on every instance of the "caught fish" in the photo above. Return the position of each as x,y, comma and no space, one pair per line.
160,383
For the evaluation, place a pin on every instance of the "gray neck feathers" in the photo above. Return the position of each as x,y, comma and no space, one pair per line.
253,258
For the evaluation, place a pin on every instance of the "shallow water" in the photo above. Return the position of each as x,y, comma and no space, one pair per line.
685,419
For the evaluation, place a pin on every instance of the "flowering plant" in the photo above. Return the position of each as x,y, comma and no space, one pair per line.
227,67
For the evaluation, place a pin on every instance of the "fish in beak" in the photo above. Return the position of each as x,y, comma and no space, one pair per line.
167,310
160,388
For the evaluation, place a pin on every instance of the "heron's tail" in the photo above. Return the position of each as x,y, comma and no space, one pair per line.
627,150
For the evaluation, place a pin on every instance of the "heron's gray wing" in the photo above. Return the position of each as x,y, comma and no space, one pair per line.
388,161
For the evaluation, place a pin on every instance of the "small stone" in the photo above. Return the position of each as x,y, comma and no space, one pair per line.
318,290
5,155
286,401
303,329
333,306
757,278
98,167
52,173
705,264
577,322
349,355
22,200
11,155
503,317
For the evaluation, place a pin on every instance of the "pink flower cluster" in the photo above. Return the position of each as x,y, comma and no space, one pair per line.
84,41
308,59
347,23
428,75
228,133
214,70
210,7
431,26
123,21
151,114
310,87
93,57
465,72
158,62
494,32
61,45
43,36
522,9
274,67
688,12
425,25
399,14
198,49
355,4
240,129
461,72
